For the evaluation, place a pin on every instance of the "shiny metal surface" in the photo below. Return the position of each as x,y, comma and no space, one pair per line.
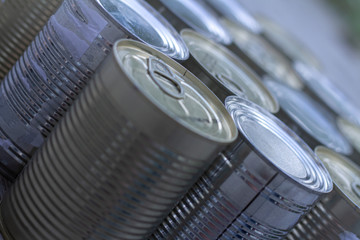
338,214
257,189
193,14
303,114
123,182
57,66
352,134
20,22
224,73
262,56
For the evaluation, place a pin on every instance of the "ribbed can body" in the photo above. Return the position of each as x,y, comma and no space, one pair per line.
20,22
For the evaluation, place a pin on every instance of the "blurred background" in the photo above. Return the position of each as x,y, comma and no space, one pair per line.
329,28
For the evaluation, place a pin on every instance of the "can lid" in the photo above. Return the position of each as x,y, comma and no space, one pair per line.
350,131
279,145
264,55
144,23
288,43
311,116
328,92
199,17
234,11
228,70
345,174
176,92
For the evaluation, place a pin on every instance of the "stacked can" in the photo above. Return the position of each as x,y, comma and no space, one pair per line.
337,216
60,61
140,135
224,73
20,22
257,189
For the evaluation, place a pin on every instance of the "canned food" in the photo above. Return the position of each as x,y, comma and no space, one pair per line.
286,43
193,14
234,11
337,216
20,22
224,73
60,61
308,118
261,185
261,56
137,139
352,134
319,87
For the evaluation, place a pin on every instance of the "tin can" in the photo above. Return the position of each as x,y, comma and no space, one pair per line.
235,12
308,118
261,56
60,61
20,22
352,134
193,14
224,73
337,216
288,44
258,187
137,139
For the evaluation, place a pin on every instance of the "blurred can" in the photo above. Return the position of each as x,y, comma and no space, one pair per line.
20,22
260,186
194,14
224,73
352,134
261,56
135,141
337,216
313,123
60,61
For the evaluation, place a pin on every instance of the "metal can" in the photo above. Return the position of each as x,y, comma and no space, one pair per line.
308,118
20,22
260,186
135,141
224,73
60,61
261,56
337,216
352,134
287,43
193,14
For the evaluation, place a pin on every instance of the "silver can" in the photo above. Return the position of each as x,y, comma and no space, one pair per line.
224,73
193,14
20,22
59,63
308,118
261,56
260,186
136,140
337,216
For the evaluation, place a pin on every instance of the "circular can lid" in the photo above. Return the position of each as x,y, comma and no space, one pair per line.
345,174
199,17
350,131
288,43
311,117
143,22
328,92
279,145
264,55
234,11
176,92
228,70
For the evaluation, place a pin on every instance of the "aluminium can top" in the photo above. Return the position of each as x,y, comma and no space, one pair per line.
310,116
350,131
228,70
279,145
175,91
146,24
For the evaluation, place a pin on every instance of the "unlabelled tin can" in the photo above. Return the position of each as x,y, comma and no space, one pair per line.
337,216
260,186
135,141
60,61
224,73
